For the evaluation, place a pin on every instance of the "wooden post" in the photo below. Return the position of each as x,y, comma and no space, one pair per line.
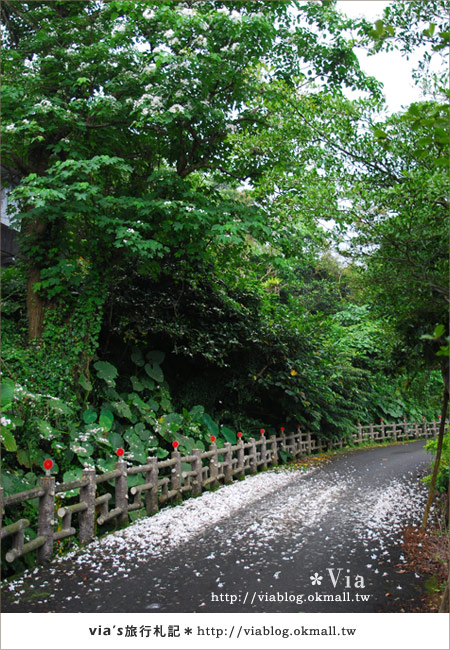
292,443
416,430
425,430
371,431
405,430
382,429
360,435
213,469
264,451
283,441
121,493
394,432
240,459
228,463
253,465
86,518
309,443
46,515
176,474
274,446
197,465
151,496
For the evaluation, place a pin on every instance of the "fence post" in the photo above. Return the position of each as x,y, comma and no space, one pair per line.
197,482
360,435
228,463
264,451
382,429
121,493
213,470
240,459
151,496
371,431
309,443
86,518
176,474
425,430
46,518
394,431
405,430
253,465
274,450
416,430
283,441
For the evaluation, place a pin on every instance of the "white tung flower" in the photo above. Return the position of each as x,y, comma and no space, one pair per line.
187,12
149,14
176,108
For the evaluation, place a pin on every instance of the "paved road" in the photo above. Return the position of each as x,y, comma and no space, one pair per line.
328,541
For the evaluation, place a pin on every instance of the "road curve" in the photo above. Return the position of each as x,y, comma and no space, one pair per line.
283,541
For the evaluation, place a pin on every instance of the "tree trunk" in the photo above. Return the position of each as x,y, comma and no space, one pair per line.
437,460
35,304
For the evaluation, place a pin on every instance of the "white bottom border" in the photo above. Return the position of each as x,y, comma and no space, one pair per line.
229,631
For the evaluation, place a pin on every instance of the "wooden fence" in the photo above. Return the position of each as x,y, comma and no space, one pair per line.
164,481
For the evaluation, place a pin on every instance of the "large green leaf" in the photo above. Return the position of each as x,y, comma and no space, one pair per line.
229,435
89,416
106,419
9,442
155,372
156,357
210,424
6,393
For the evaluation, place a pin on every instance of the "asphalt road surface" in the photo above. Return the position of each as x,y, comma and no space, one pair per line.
324,541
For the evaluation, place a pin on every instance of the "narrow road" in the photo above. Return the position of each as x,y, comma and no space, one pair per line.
328,540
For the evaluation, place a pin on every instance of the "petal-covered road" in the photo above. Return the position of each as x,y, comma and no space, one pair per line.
328,540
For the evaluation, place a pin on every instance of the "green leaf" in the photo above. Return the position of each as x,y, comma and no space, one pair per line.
161,453
210,424
72,475
24,458
137,384
106,419
9,442
156,357
85,383
229,435
6,393
106,371
439,331
115,440
155,372
46,429
89,416
137,358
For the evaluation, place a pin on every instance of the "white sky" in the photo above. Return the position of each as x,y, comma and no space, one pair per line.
392,69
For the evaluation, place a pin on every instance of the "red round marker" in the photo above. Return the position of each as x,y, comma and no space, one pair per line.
423,417
213,438
281,429
48,464
239,434
262,431
119,452
381,419
175,444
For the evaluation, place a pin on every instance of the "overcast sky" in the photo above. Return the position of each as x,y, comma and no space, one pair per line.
392,69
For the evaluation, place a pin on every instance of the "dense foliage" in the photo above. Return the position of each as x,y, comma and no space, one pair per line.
179,163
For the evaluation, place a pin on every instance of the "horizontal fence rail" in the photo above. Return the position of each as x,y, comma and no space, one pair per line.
166,481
